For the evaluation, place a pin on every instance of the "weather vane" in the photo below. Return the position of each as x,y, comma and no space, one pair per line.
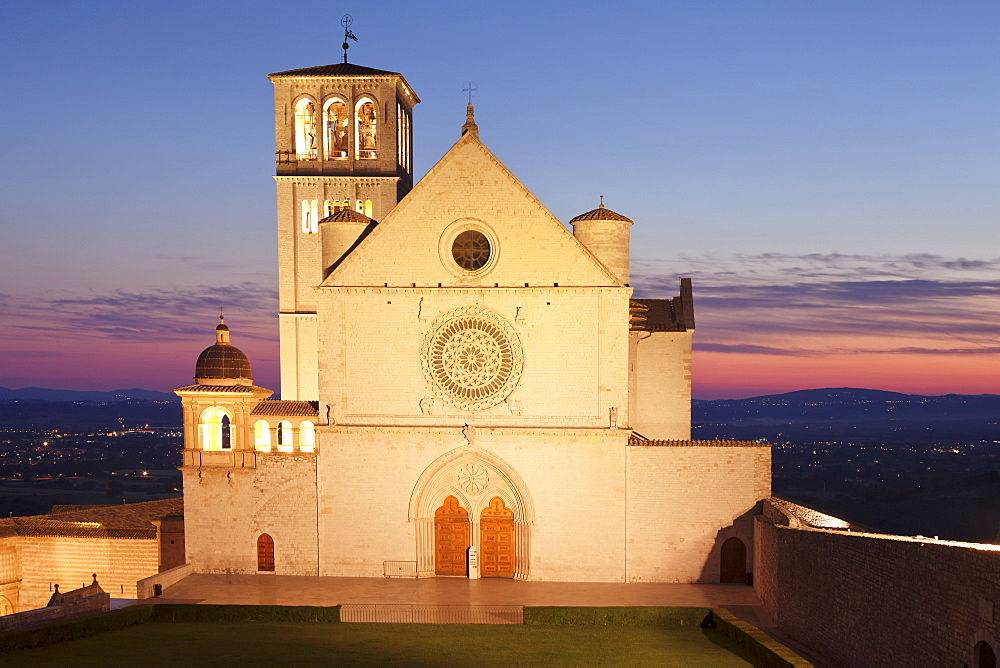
346,20
470,89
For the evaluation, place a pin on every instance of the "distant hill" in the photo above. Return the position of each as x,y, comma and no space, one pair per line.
46,394
838,412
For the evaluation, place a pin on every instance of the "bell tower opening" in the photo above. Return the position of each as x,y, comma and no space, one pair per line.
343,140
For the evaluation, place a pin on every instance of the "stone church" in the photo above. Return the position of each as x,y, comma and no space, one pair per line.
468,387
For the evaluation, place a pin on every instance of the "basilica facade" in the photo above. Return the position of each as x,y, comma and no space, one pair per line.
468,386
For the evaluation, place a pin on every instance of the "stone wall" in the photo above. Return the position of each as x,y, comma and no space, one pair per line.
225,513
870,599
84,606
70,561
685,498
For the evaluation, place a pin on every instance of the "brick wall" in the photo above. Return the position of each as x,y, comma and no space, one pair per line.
866,599
69,562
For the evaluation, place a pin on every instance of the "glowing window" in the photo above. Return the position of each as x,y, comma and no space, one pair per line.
368,208
310,216
215,429
327,208
262,435
307,437
366,138
305,130
285,436
336,123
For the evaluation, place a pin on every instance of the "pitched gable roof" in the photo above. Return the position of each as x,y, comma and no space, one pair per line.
470,183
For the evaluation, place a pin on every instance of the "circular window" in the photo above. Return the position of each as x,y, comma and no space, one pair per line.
471,250
472,358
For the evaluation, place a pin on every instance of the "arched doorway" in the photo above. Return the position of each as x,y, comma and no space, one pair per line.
985,656
451,538
733,567
265,553
496,540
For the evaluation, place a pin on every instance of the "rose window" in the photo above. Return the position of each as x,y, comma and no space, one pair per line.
472,358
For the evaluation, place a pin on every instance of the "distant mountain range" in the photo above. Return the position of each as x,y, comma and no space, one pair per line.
45,394
836,413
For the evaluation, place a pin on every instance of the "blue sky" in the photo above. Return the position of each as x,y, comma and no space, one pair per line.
816,163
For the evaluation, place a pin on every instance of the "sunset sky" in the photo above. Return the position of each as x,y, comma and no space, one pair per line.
827,172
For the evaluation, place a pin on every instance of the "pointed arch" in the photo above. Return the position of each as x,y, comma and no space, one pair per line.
520,502
477,480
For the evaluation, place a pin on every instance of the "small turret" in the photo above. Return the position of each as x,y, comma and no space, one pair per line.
606,235
339,233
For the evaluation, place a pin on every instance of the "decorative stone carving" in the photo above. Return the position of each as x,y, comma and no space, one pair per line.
471,357
473,478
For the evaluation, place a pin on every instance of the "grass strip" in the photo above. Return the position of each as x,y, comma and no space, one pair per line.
656,616
84,627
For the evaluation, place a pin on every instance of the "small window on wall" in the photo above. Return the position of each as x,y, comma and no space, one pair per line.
310,216
327,208
364,207
262,435
285,436
307,437
305,130
367,129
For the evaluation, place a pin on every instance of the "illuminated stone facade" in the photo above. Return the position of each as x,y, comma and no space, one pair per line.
459,370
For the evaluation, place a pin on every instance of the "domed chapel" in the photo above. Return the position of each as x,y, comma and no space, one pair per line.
468,388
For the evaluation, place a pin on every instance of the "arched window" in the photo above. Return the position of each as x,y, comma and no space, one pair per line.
341,205
305,130
336,123
307,437
366,139
403,137
265,553
368,208
215,429
327,208
310,216
262,435
285,436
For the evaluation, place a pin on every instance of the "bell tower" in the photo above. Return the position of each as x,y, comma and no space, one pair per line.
343,141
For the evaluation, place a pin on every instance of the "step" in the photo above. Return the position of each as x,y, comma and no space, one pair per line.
432,614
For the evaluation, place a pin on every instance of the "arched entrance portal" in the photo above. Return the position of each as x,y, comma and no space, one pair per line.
491,504
451,538
496,540
734,562
985,656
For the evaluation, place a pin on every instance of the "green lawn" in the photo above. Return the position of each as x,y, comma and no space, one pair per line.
288,644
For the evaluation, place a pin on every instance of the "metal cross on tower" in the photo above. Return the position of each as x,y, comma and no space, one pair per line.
346,20
470,89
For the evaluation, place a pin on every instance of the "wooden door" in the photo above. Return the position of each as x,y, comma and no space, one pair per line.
265,553
451,538
496,533
734,562
985,656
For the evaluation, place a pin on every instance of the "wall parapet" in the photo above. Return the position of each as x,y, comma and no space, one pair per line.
146,588
876,599
636,440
